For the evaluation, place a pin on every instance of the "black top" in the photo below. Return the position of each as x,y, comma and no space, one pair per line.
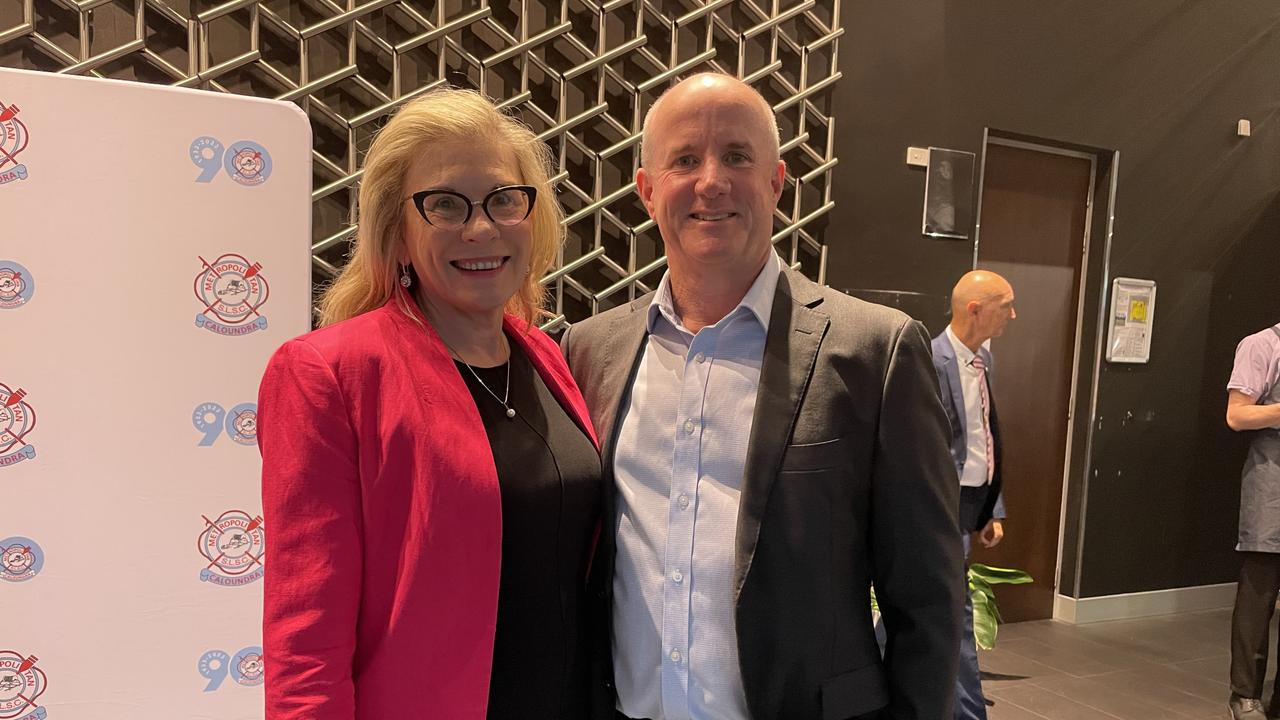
549,476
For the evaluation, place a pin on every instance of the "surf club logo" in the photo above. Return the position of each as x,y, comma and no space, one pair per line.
17,420
20,559
232,545
245,667
22,682
16,285
13,140
232,291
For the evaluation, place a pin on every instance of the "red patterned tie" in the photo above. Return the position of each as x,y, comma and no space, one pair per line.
981,367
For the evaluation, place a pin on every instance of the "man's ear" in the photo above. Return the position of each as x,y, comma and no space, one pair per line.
644,188
778,179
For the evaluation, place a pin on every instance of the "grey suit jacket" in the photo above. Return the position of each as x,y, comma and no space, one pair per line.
847,481
948,369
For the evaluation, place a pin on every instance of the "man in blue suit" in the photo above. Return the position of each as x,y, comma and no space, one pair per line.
981,306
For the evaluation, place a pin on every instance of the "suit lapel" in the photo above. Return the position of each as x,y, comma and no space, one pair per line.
796,330
606,390
622,356
951,368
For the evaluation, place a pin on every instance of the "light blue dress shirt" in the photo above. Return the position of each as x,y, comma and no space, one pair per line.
681,449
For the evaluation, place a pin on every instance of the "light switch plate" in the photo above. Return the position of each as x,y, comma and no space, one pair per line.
918,157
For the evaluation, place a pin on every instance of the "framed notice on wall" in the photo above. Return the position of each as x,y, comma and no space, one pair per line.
1133,312
948,193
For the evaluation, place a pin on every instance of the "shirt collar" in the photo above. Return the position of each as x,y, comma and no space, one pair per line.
963,353
758,300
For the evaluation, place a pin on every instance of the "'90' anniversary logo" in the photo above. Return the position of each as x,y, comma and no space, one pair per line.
20,559
245,667
16,285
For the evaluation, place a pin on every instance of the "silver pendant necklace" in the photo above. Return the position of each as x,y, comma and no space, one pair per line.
506,393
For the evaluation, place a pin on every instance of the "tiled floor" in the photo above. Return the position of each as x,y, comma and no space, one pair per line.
1165,668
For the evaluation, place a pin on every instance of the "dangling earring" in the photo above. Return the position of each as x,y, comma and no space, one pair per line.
405,280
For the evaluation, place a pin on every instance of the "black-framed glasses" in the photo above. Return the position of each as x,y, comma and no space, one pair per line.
450,210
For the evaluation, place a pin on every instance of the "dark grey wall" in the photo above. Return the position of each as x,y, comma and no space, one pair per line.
1197,209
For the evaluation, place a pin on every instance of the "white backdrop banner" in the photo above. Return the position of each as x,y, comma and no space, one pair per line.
154,251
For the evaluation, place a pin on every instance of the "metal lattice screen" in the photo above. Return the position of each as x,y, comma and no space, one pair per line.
582,73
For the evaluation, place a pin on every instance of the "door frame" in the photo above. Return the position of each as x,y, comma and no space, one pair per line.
1086,299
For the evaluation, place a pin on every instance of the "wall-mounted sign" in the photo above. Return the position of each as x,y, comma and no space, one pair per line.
948,194
1133,312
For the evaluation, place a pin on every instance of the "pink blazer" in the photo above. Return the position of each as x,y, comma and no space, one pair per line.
384,530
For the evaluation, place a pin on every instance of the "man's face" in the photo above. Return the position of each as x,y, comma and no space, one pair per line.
995,312
712,178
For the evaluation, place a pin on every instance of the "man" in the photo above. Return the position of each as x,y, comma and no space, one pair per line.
770,448
981,306
1253,405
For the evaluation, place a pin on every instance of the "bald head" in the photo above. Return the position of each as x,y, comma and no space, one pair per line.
981,306
977,285
708,84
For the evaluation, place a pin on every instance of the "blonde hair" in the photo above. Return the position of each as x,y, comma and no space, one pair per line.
370,276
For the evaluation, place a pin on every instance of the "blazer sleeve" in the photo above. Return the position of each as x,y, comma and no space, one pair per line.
915,535
311,511
998,511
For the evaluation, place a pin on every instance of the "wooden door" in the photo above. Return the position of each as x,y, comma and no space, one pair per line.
1034,214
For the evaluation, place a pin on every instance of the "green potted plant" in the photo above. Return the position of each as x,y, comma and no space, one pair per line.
986,616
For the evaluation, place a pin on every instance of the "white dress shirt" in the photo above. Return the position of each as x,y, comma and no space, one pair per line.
681,451
975,461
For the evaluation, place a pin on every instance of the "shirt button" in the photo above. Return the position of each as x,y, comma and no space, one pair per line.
677,576
689,426
675,656
683,501
699,358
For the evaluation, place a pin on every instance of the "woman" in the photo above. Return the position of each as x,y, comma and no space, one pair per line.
430,477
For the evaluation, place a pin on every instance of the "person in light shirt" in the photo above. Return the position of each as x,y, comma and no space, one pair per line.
981,307
1253,406
771,447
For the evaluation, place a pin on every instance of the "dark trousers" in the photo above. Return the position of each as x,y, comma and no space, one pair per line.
1251,624
971,704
